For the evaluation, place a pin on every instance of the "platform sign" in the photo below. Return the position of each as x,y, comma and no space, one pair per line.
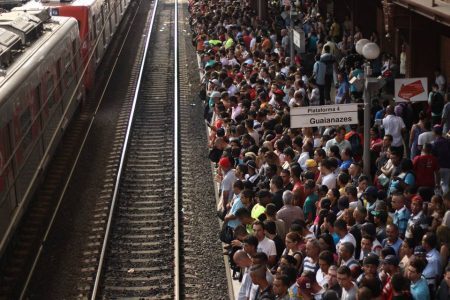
411,89
299,39
325,115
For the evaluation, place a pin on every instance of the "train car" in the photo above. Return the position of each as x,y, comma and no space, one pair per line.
40,90
97,21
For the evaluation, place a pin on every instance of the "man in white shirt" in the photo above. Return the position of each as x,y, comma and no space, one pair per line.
340,227
242,260
228,179
265,245
339,140
394,126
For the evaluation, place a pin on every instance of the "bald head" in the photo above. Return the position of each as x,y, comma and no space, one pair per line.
390,110
242,259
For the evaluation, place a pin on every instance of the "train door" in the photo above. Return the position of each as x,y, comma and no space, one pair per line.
26,131
7,194
49,100
105,22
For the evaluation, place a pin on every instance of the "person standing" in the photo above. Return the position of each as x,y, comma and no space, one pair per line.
395,127
319,70
419,287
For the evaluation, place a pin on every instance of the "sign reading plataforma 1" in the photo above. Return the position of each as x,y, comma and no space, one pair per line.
325,115
411,89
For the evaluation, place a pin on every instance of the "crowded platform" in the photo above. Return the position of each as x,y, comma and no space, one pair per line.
301,217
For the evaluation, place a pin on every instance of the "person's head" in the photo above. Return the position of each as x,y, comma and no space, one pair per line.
258,230
364,293
370,264
344,277
407,247
392,232
281,284
288,261
285,174
416,204
447,275
250,244
390,264
260,258
429,241
415,268
399,283
241,259
307,283
326,242
398,201
332,276
330,295
258,274
395,156
359,214
264,197
292,240
340,227
313,248
340,133
346,250
326,259
287,197
367,243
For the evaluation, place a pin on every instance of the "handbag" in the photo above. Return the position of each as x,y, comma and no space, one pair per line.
226,233
383,180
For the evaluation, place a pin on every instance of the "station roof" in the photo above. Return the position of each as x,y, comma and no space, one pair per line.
439,12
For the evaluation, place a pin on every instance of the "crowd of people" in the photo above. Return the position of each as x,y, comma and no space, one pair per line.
301,219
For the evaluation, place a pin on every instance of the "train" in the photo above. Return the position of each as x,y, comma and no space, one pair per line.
49,52
97,21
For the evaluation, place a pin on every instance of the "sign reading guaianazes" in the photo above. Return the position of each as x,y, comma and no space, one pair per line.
325,115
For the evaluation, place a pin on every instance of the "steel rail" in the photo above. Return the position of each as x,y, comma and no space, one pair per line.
122,160
177,265
72,170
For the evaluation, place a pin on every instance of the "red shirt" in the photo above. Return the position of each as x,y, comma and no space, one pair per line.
424,168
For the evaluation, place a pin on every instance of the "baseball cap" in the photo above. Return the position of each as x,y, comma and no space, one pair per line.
391,260
419,250
215,81
371,191
371,259
251,164
311,163
215,94
224,162
304,283
437,128
417,198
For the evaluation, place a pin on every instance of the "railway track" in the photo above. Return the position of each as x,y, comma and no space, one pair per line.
140,250
19,260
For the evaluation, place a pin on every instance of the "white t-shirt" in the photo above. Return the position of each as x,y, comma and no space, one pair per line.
425,137
393,125
347,238
329,180
227,183
267,246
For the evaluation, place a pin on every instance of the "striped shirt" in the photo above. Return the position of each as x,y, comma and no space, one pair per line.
310,265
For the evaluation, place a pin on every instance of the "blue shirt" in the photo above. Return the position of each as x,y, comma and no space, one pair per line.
433,268
342,93
236,205
419,290
401,218
346,164
395,246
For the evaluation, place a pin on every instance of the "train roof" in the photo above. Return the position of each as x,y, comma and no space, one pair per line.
22,35
53,3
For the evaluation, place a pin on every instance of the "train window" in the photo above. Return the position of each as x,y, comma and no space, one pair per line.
25,129
74,58
58,77
50,92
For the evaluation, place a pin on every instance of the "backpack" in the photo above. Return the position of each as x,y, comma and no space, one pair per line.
437,103
355,142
